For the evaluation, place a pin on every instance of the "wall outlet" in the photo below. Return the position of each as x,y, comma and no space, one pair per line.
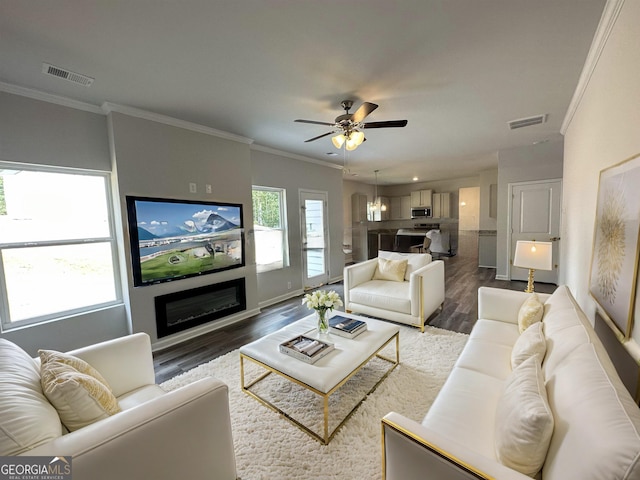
289,285
208,188
193,188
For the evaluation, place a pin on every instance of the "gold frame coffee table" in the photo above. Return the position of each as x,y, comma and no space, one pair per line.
329,373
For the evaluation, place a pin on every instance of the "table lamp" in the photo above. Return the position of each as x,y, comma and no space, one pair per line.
534,256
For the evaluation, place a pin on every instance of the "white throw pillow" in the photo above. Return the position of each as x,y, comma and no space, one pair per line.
530,342
524,422
530,312
77,390
27,419
390,270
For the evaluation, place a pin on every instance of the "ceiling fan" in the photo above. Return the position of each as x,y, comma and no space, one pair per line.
349,126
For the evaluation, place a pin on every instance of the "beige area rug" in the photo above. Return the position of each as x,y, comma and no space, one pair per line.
268,446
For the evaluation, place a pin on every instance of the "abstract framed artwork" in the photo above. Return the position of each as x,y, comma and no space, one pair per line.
614,261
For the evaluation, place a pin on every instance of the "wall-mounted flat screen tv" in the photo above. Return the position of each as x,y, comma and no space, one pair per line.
173,239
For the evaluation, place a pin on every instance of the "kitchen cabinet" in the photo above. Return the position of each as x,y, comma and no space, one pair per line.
401,207
358,208
359,248
421,198
441,205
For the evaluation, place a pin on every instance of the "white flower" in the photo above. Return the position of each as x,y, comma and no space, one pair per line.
322,300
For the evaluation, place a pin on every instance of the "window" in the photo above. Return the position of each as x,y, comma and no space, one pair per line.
270,228
57,248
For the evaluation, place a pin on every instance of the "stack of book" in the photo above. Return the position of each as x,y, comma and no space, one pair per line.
346,327
307,349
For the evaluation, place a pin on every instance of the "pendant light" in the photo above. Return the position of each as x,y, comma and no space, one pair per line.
377,202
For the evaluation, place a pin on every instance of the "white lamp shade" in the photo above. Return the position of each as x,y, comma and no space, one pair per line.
338,140
535,255
357,137
351,145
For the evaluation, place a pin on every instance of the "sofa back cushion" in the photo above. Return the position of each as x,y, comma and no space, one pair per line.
565,329
597,426
27,419
415,261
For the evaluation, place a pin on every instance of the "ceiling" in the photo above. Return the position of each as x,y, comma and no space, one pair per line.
457,70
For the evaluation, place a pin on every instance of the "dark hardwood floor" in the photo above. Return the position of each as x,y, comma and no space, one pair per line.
460,311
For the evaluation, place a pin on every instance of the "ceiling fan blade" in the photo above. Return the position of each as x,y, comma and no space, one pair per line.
319,136
365,109
387,124
313,121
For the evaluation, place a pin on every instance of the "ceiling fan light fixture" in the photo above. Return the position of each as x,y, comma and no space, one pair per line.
338,140
350,124
354,140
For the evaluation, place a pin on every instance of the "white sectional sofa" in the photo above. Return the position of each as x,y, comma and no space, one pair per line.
595,422
185,433
411,301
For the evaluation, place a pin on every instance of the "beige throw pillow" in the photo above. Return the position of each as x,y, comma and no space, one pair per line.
77,390
390,270
530,342
524,422
530,312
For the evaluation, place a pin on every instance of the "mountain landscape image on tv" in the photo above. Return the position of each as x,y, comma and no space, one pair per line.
172,239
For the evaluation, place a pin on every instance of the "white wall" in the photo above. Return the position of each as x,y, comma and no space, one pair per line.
534,162
270,168
42,133
470,211
159,159
487,178
154,159
37,132
604,131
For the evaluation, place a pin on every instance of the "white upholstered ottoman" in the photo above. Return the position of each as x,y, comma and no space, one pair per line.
329,373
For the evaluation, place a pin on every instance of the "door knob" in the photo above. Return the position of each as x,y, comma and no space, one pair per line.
554,239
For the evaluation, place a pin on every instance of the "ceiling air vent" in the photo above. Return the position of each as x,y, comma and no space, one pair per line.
527,122
68,75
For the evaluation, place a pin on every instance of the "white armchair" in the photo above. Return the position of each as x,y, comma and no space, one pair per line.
411,301
185,433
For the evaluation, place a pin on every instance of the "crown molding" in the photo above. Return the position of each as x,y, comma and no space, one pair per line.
607,21
50,98
108,107
295,156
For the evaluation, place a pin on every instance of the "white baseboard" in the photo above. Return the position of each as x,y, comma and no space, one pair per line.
281,298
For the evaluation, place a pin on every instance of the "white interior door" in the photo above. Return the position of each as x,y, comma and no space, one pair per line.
535,215
315,238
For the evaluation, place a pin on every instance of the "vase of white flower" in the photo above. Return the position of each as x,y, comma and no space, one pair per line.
322,302
323,321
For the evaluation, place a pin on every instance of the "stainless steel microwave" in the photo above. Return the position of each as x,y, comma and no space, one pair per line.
422,212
